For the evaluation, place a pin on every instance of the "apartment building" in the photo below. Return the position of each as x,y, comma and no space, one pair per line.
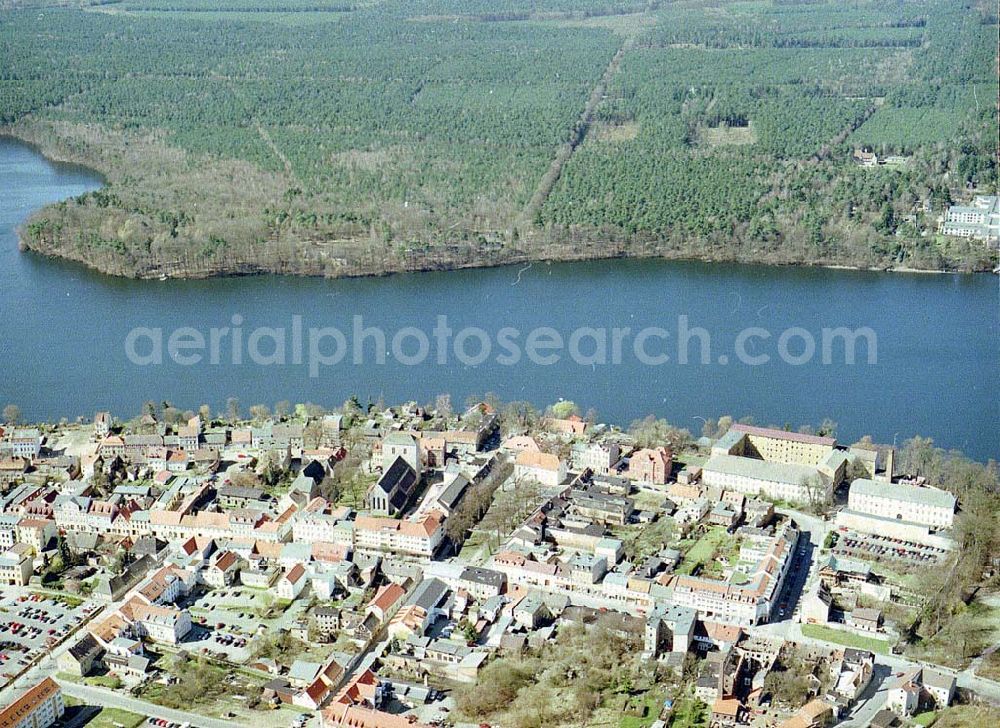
778,481
927,506
776,446
594,456
39,707
414,538
980,220
24,444
545,468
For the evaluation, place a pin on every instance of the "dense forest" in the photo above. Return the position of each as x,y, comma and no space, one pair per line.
341,137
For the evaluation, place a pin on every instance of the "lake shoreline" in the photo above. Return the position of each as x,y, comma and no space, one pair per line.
449,258
250,269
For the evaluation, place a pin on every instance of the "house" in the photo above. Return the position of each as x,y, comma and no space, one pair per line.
12,470
727,712
392,492
856,669
386,602
291,583
38,707
327,620
651,465
838,571
520,443
161,624
455,488
722,514
26,443
188,435
16,566
102,425
434,451
235,496
940,686
573,425
869,620
903,696
706,689
81,657
222,571
599,458
36,533
420,609
885,718
303,673
544,468
531,612
346,715
814,714
482,583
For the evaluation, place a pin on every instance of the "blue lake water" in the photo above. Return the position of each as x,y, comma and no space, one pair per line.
64,331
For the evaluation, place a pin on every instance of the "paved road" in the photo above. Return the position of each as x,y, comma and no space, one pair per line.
101,696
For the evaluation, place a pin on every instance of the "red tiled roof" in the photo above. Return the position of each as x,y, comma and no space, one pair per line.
24,706
783,435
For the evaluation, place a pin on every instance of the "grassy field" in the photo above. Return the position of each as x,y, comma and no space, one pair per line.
716,541
107,717
848,639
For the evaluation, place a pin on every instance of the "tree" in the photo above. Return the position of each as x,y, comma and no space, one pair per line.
505,679
281,409
233,410
827,428
312,434
442,406
563,409
259,412
12,414
651,432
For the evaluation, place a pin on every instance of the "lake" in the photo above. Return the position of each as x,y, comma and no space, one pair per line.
67,332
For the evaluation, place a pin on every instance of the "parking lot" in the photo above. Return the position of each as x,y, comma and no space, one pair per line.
861,545
30,624
226,620
220,642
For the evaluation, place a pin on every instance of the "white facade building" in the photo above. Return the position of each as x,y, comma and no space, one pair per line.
927,506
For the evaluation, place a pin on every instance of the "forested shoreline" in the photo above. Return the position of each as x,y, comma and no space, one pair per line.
481,134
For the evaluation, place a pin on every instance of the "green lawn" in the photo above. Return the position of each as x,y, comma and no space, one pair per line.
104,681
653,703
108,717
925,719
848,639
702,549
689,713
